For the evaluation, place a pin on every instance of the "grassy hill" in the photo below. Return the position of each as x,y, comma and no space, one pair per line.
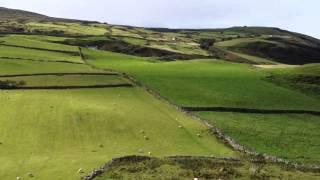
76,94
255,45
53,133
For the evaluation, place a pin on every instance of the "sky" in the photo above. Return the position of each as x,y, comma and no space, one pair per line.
296,15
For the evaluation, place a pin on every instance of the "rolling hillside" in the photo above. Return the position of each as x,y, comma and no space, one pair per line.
254,45
233,103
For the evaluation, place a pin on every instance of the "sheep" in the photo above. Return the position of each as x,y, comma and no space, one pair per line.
18,178
149,153
146,137
80,171
199,135
30,174
180,127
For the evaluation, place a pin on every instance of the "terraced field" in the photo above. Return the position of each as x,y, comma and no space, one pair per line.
213,85
52,134
68,105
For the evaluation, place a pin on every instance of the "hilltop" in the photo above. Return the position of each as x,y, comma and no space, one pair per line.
253,45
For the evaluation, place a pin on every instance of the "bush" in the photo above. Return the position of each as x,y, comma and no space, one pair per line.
206,43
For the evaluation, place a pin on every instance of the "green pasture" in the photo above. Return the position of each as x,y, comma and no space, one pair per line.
53,134
42,42
66,80
68,28
10,67
25,53
290,136
206,82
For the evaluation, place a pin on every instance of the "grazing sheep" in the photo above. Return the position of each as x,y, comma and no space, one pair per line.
199,135
30,174
149,153
146,137
18,178
80,171
180,127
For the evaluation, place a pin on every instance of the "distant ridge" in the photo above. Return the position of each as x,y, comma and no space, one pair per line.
27,16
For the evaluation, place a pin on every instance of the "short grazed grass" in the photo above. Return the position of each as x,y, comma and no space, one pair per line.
15,52
206,82
55,133
36,42
294,137
10,67
66,80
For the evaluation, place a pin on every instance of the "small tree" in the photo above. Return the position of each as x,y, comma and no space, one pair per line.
206,43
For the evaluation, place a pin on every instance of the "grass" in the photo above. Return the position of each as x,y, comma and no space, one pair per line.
302,78
8,67
15,52
68,80
36,42
235,42
84,128
222,84
69,28
206,82
294,137
190,168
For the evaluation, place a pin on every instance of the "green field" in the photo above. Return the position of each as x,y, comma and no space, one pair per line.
210,83
294,136
213,83
66,80
32,54
54,133
8,67
42,42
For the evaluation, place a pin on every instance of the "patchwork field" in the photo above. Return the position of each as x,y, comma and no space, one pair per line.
290,136
52,134
64,134
8,52
217,84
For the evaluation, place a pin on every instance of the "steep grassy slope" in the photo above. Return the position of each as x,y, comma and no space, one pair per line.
206,82
306,78
9,66
54,133
256,45
55,139
38,55
212,83
41,42
293,136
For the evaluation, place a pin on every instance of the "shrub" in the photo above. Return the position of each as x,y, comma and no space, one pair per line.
206,43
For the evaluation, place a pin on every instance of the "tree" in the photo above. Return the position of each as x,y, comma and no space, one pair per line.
206,43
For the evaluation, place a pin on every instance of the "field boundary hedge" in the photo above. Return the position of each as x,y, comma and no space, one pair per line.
40,60
126,85
60,74
248,110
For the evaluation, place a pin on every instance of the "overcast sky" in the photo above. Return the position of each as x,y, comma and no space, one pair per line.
295,15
